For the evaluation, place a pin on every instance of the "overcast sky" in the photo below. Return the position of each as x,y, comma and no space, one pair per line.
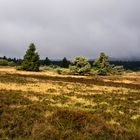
70,27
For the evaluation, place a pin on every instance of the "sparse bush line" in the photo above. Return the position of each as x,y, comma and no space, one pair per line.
78,66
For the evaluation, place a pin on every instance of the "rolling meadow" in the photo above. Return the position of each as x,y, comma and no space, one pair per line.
48,106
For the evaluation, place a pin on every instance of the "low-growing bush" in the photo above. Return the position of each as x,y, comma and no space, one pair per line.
19,68
53,66
59,71
117,70
102,71
11,63
3,62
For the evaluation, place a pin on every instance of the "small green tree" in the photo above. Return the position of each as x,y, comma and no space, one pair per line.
31,59
65,63
102,61
102,66
80,65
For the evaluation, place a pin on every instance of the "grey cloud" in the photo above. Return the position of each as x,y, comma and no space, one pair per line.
70,27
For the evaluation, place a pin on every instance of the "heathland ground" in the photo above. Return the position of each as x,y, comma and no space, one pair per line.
49,106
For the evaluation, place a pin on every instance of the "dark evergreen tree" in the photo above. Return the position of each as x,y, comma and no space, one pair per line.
47,61
31,59
4,57
65,63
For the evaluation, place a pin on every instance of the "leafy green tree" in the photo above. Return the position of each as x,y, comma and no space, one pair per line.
80,65
31,59
65,63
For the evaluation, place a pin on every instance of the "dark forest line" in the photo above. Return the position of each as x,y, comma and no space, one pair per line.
128,65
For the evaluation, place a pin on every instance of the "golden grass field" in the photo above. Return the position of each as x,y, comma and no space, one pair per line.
48,106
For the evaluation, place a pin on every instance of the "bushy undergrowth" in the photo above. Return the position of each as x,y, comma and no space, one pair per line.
4,62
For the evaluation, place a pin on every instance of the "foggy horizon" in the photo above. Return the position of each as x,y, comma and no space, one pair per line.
70,28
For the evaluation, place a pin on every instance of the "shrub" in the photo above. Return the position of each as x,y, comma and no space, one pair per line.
117,70
53,66
11,63
19,68
80,65
3,62
59,71
102,71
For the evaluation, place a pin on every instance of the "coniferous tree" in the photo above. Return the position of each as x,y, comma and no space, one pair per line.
47,61
80,65
4,57
65,63
31,59
102,61
101,64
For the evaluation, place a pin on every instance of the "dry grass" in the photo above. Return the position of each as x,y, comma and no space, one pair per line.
39,105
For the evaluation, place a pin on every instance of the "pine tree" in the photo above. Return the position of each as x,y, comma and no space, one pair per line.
47,61
65,63
31,59
102,61
101,64
80,65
